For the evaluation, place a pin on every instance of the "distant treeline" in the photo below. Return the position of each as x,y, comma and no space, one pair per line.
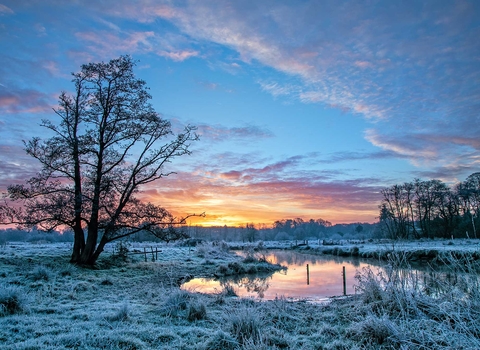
280,230
431,209
14,235
286,229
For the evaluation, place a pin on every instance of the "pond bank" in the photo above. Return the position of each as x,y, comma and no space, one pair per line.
135,304
442,252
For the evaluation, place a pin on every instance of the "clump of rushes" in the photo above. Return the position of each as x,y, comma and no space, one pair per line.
245,325
12,300
121,314
41,273
196,311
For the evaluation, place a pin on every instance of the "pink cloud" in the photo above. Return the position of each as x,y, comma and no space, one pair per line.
178,56
221,133
24,101
108,44
5,10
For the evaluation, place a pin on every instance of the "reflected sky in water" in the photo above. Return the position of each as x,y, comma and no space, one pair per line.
325,278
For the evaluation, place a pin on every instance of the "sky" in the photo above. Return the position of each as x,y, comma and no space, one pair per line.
304,108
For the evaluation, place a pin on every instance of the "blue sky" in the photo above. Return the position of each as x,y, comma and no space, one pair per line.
304,108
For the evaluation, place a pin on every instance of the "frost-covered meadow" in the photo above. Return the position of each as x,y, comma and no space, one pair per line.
47,303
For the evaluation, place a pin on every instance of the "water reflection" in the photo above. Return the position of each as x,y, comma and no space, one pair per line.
324,278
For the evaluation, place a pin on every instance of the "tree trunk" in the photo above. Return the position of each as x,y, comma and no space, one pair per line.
99,250
90,246
78,244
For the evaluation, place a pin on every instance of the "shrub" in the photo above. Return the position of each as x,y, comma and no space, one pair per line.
121,314
221,341
236,268
41,272
373,330
196,311
106,282
249,259
229,290
203,249
68,270
177,301
121,249
222,269
245,324
12,300
355,251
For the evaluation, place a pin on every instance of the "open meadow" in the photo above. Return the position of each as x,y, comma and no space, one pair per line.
127,303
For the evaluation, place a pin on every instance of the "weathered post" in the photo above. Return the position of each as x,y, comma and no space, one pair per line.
308,275
344,282
145,252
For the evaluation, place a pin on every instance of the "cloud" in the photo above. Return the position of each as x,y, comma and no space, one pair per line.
220,133
410,67
110,44
266,192
5,10
116,41
17,100
178,56
277,89
15,166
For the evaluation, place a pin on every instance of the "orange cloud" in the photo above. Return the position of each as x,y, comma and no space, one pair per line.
229,199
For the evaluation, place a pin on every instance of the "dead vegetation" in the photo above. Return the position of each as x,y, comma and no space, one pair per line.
138,305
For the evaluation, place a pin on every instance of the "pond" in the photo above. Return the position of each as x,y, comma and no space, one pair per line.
324,279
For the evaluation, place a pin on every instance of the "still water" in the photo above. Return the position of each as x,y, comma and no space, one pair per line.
325,278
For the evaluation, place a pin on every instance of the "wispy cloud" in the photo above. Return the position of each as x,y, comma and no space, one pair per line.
412,66
178,55
15,100
221,133
276,89
15,166
268,192
4,10
110,44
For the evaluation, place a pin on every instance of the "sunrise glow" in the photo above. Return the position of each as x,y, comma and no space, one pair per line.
307,119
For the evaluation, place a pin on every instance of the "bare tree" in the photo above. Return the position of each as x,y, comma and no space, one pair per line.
108,144
469,193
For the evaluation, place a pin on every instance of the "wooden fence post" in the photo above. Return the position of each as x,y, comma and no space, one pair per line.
145,252
308,275
344,282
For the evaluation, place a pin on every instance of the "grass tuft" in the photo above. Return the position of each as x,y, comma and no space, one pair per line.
41,273
221,341
196,311
121,314
13,300
177,301
245,325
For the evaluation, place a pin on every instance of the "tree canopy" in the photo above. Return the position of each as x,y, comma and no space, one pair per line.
108,142
430,208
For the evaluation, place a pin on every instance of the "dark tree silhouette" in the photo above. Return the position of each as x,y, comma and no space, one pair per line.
108,143
431,209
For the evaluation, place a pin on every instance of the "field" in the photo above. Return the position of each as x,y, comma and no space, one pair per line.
46,303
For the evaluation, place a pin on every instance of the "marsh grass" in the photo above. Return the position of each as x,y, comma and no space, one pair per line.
394,309
245,325
13,300
41,273
121,314
400,308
